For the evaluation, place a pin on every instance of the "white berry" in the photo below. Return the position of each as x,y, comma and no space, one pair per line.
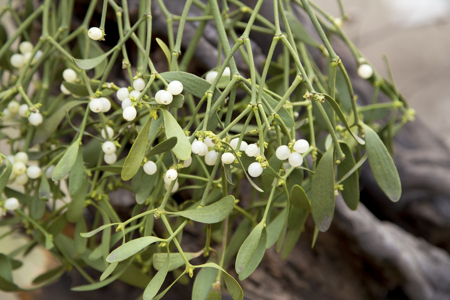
139,84
17,60
19,168
49,171
110,158
64,90
338,22
226,72
110,132
106,104
21,156
252,150
175,186
21,179
199,148
255,169
135,94
25,47
211,157
365,71
122,94
296,114
109,147
175,87
34,172
171,175
126,103
234,144
150,168
166,98
129,113
211,76
11,204
96,105
301,146
35,119
95,33
158,96
283,152
228,158
69,75
23,110
187,163
37,56
295,159
13,107
209,142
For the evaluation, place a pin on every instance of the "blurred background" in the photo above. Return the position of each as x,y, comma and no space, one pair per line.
413,34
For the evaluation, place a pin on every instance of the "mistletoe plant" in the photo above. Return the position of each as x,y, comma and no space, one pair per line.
186,145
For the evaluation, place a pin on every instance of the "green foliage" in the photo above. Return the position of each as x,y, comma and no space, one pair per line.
100,151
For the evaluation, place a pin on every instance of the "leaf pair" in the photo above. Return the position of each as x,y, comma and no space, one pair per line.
251,252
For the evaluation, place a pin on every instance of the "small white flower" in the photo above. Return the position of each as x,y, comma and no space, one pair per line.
109,147
122,94
95,33
301,146
175,87
11,204
365,71
150,168
139,84
96,105
25,47
35,119
255,169
69,75
283,152
34,172
110,158
228,158
129,113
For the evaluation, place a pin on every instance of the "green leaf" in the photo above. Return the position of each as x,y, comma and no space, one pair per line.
177,102
176,260
166,51
136,155
192,84
80,242
341,116
94,51
79,89
48,127
90,63
233,286
5,268
299,31
322,191
382,165
93,232
257,256
343,93
108,271
163,147
248,248
183,148
4,177
145,189
49,276
228,175
131,248
76,175
299,199
210,214
203,283
155,284
275,227
44,188
350,193
76,205
37,207
296,222
163,293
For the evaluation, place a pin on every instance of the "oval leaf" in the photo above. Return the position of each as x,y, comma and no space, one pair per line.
176,260
183,148
248,248
192,84
155,284
257,256
66,163
164,146
275,227
350,193
210,214
299,199
90,63
382,165
166,51
322,191
131,248
136,155
4,177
